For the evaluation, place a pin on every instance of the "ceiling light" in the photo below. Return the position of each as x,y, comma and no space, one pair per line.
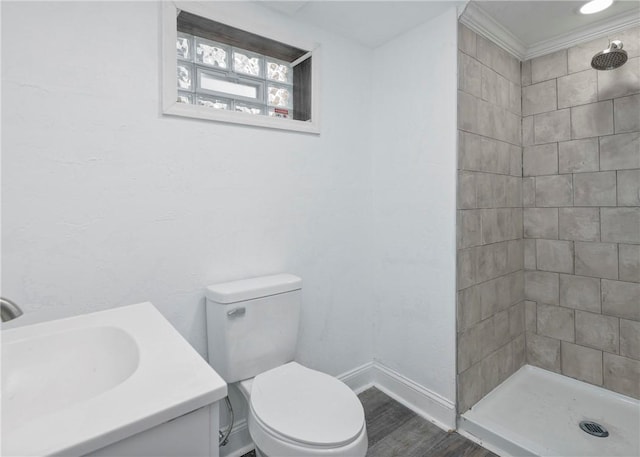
595,6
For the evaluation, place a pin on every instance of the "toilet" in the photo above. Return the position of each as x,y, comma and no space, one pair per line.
294,411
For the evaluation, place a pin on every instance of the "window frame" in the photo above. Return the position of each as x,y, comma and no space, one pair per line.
170,105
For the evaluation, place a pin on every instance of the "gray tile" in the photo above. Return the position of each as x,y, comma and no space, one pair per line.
540,160
578,156
525,69
625,113
474,344
491,190
530,316
620,151
621,81
629,269
513,189
468,308
594,119
552,127
621,299
541,286
491,261
466,190
467,112
543,352
579,224
515,98
553,255
556,322
469,70
539,98
621,375
598,260
541,223
515,162
549,66
528,192
478,153
580,56
470,387
530,254
516,320
620,225
469,228
578,89
630,339
582,363
594,189
466,40
554,191
527,131
466,267
498,59
495,88
598,331
580,292
629,188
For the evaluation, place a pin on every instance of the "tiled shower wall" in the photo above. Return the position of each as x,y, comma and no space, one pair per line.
581,195
490,328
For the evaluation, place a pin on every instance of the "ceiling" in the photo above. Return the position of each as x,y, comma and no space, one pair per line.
370,23
526,28
535,21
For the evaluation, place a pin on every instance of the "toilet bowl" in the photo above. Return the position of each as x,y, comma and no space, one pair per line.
295,411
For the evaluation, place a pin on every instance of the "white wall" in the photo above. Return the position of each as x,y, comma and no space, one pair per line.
414,166
106,202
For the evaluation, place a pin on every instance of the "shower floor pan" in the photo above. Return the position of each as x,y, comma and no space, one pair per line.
537,413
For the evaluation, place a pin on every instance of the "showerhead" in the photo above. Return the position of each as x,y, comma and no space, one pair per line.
610,58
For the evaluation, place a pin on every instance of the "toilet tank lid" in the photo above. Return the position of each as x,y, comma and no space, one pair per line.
249,289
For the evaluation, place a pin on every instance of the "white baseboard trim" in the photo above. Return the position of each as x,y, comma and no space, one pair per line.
359,379
422,401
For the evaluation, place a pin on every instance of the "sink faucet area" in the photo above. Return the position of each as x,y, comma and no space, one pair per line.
127,368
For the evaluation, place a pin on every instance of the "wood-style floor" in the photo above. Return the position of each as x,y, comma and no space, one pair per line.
396,431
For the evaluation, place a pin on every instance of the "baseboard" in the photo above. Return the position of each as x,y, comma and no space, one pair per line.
422,401
359,379
417,398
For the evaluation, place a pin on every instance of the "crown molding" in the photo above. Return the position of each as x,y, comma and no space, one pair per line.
484,24
583,34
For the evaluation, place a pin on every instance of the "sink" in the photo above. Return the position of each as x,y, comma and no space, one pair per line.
43,374
74,385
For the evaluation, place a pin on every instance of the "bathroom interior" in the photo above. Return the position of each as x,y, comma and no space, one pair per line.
453,224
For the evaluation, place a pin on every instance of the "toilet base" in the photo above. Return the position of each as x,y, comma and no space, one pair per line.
268,445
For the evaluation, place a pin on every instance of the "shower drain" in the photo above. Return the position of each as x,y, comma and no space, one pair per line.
593,428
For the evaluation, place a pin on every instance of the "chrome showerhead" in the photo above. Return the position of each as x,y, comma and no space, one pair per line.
610,58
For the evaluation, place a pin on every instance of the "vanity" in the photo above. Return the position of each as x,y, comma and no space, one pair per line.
121,382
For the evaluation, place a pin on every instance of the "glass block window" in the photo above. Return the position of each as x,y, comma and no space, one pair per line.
225,77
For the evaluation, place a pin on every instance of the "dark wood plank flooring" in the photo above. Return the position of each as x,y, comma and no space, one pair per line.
396,431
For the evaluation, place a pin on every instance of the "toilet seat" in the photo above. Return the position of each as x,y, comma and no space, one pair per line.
292,406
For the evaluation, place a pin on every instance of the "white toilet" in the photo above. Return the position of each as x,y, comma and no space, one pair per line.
294,411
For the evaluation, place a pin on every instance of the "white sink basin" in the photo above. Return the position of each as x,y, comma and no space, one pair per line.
74,385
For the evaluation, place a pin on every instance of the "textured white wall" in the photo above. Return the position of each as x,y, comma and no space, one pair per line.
106,202
414,165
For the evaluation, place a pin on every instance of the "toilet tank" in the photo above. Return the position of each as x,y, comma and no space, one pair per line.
252,324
